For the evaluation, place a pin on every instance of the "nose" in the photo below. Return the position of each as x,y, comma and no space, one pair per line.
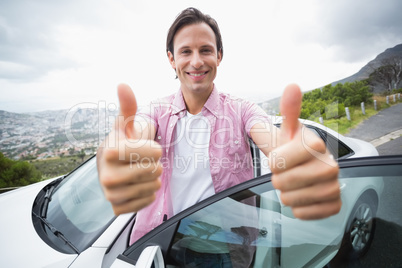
196,60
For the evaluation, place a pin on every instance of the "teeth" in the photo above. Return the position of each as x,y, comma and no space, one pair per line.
197,74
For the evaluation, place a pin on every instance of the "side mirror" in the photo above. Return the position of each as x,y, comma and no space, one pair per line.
150,255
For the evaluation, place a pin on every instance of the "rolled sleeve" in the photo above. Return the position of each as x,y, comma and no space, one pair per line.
254,114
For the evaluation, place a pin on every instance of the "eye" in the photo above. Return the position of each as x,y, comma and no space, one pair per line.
185,51
206,51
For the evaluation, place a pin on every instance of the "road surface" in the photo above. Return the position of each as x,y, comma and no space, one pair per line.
383,130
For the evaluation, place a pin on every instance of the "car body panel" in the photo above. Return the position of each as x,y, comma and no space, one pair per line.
110,234
360,147
21,235
91,257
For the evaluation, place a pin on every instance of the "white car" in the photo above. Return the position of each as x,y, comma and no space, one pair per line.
66,222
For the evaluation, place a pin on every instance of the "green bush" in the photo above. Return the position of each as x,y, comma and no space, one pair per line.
345,95
17,173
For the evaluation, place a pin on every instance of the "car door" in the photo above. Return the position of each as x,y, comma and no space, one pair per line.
247,226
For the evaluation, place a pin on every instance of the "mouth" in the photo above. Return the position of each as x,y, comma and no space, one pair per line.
197,74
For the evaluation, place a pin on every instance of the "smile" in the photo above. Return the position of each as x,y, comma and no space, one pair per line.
197,74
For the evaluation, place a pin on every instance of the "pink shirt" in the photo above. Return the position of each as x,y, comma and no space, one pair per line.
231,120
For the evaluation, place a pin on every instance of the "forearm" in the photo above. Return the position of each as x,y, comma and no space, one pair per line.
265,136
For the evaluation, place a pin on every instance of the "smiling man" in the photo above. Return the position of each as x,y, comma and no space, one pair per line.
194,55
194,143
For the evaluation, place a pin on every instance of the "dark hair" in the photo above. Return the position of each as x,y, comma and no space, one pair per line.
191,16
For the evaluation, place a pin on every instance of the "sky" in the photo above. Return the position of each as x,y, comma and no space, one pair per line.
65,54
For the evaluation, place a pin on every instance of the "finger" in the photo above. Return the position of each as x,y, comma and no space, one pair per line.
297,151
130,151
133,205
128,109
128,193
290,110
318,211
123,175
326,191
303,176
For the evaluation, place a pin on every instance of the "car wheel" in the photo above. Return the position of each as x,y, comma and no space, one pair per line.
360,228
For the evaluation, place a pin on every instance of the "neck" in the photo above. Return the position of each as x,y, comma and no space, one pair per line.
195,101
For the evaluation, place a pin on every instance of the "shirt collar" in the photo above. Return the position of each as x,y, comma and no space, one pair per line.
211,105
178,104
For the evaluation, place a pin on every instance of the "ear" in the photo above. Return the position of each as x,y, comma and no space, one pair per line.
171,60
219,57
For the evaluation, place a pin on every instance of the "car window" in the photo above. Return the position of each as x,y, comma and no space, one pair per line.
252,228
336,147
78,208
340,150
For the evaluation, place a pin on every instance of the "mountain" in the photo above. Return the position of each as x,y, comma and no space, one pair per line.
272,106
372,65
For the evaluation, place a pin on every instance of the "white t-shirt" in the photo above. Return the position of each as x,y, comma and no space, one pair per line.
191,179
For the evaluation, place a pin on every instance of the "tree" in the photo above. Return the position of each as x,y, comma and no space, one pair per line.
388,75
17,173
71,151
330,101
81,155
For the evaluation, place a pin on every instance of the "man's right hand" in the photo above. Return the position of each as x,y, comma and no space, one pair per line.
128,166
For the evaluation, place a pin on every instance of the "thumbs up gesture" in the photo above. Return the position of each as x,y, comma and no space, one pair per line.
308,180
128,160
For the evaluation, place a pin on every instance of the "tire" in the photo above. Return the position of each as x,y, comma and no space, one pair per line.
360,229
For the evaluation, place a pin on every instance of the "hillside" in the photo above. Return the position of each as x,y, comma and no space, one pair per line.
372,65
53,133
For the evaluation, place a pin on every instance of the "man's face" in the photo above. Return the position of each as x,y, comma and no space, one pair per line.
195,58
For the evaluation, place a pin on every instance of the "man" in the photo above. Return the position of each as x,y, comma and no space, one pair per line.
207,131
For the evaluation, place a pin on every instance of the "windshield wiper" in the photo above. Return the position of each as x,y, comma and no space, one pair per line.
56,232
48,197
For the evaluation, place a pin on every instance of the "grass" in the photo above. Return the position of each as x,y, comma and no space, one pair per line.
343,125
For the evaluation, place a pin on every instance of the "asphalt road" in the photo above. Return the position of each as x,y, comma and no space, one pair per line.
381,124
391,147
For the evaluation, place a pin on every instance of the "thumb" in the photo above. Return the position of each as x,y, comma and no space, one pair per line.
290,110
128,109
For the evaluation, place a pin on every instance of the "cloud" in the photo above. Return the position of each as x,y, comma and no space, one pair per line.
29,46
71,51
354,29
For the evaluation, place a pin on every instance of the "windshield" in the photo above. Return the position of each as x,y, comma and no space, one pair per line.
78,208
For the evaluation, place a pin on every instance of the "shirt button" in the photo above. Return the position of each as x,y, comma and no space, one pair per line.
236,142
167,150
159,213
159,137
171,125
